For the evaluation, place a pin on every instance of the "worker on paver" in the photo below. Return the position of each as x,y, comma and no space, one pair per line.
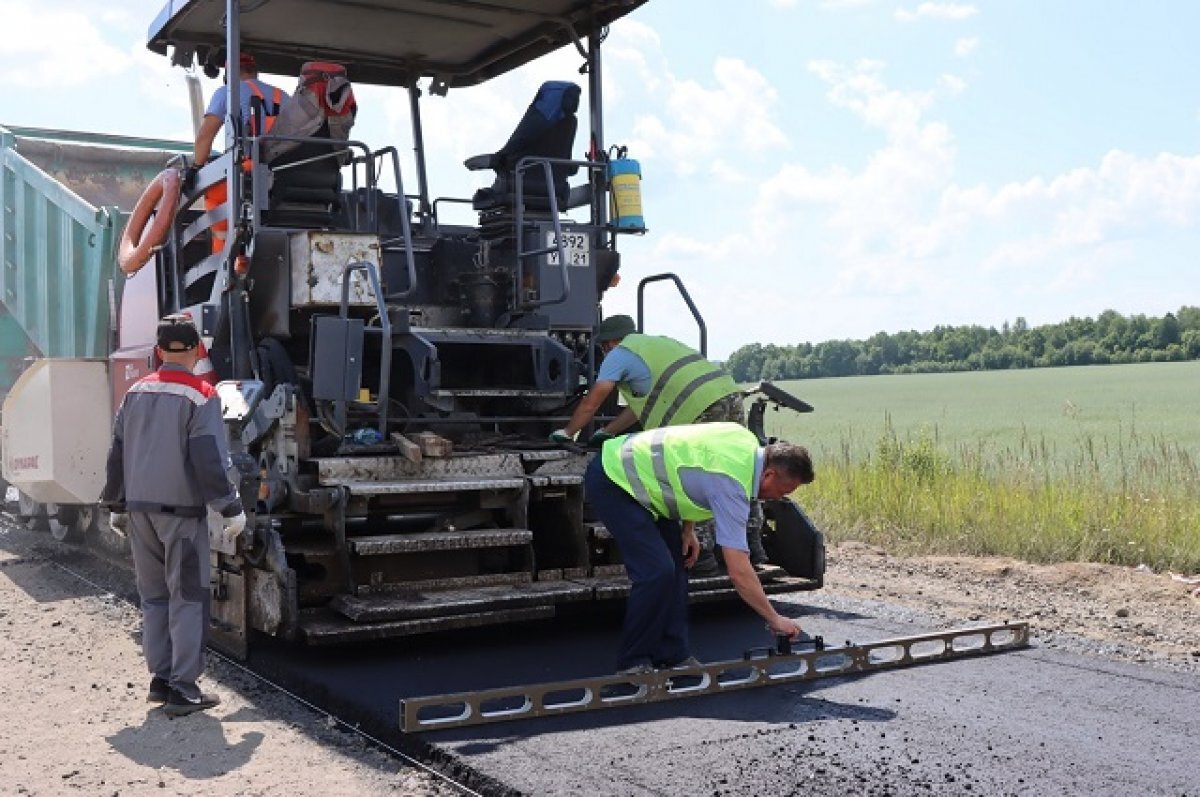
167,466
650,489
664,383
260,105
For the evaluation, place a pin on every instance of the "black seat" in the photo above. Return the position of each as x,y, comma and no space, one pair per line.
308,194
547,130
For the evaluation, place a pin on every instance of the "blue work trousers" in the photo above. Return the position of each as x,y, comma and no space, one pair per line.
656,624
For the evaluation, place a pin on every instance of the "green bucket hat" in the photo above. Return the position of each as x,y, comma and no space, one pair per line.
614,327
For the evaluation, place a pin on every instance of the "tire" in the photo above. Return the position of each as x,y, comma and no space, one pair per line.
31,513
72,523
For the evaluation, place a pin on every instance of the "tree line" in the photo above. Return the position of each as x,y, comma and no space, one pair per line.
1109,338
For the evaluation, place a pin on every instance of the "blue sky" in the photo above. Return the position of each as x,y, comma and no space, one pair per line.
813,169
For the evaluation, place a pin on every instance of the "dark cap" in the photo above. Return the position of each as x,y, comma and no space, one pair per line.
176,332
614,327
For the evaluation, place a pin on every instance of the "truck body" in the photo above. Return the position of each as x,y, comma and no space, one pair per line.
65,198
389,380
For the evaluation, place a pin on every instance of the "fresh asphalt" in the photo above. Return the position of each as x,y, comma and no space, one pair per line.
1038,721
1029,722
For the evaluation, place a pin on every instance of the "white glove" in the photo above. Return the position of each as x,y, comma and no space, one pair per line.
118,522
233,525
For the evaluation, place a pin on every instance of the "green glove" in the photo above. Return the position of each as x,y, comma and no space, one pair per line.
599,438
560,436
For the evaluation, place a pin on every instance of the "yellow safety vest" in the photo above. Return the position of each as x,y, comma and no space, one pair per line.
683,383
646,465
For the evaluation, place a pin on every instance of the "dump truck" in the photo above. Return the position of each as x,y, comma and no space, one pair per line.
389,379
65,198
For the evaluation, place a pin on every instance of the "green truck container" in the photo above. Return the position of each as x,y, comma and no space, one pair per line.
65,198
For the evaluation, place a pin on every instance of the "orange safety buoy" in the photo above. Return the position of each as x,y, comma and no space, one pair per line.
160,200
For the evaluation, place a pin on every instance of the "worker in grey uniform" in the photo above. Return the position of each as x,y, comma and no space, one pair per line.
167,466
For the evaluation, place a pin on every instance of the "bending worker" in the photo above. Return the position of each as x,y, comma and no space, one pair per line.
650,489
663,383
167,466
260,104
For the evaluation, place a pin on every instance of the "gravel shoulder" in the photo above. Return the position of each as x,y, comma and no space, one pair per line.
1121,613
73,716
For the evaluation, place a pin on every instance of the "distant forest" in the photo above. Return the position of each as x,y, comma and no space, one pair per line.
1110,338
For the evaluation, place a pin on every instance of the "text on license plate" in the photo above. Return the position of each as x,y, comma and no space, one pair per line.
575,248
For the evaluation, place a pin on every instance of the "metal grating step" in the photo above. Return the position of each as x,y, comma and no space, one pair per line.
324,627
429,486
701,590
452,602
438,541
449,582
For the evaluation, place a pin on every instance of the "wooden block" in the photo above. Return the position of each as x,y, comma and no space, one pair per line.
408,449
433,445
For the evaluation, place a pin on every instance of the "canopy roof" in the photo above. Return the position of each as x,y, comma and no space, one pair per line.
388,42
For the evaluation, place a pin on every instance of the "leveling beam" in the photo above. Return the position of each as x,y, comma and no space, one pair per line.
758,667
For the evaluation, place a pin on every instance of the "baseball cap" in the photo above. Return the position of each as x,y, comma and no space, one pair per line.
614,327
176,332
245,61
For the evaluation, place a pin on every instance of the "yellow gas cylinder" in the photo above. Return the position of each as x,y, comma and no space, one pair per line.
625,187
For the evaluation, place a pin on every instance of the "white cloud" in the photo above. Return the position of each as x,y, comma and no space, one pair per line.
965,46
699,121
953,84
58,46
931,10
902,226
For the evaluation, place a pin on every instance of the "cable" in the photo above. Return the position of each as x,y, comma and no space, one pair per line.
414,762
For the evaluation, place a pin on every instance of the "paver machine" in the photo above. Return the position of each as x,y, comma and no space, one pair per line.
388,378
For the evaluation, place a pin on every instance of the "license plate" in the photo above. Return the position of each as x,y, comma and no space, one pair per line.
575,248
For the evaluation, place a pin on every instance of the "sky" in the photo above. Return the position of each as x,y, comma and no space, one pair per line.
812,169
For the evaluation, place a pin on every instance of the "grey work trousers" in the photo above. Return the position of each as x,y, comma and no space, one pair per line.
171,561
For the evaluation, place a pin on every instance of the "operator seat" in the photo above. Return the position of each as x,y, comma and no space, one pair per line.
547,130
307,195
306,186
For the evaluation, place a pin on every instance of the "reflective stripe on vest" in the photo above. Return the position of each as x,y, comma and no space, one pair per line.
684,384
647,465
269,115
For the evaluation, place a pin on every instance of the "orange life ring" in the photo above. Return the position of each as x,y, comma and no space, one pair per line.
160,200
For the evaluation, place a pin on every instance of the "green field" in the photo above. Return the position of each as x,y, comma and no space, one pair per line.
1097,463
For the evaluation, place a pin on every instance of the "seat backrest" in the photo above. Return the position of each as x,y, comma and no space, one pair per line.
547,130
309,194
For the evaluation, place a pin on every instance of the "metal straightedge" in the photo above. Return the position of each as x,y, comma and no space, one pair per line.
759,667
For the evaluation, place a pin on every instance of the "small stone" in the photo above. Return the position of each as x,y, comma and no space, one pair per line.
1122,612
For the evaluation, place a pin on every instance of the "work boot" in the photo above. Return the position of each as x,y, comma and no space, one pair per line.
685,664
758,554
706,564
754,527
637,669
179,705
159,691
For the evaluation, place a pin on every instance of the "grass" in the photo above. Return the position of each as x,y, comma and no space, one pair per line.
1067,464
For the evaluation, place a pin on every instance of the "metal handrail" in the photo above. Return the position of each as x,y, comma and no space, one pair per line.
528,162
385,357
686,297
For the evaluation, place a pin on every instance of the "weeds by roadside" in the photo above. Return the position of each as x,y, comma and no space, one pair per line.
1121,501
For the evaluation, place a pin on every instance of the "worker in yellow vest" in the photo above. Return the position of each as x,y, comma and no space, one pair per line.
663,383
650,489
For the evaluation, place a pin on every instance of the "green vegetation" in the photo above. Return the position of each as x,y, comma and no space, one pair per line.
1089,464
1109,339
